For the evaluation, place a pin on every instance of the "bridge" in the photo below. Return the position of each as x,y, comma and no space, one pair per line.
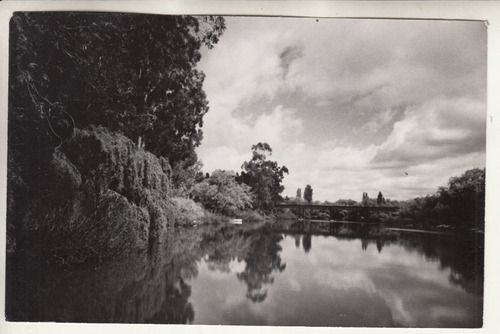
332,208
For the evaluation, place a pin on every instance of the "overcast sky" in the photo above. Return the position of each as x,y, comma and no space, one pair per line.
349,106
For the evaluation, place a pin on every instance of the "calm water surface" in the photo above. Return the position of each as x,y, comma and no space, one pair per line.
286,273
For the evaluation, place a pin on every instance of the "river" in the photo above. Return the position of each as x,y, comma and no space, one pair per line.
281,273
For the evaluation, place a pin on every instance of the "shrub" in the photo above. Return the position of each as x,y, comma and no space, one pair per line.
107,197
187,212
221,193
286,214
250,216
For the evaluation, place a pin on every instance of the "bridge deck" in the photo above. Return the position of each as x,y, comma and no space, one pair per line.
335,207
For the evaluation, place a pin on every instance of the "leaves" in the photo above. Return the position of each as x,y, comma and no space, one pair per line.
130,73
221,193
308,193
264,177
460,204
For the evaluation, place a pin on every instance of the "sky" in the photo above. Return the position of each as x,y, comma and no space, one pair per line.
348,105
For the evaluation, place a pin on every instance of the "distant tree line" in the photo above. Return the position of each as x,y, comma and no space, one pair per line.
460,204
308,195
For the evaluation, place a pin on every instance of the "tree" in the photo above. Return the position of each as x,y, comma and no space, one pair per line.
348,202
299,193
308,194
221,193
126,74
367,201
380,198
185,175
461,203
135,74
264,177
364,199
464,198
422,209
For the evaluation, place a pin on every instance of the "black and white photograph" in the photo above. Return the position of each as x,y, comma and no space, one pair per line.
245,170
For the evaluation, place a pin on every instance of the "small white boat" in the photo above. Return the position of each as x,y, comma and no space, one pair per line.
236,221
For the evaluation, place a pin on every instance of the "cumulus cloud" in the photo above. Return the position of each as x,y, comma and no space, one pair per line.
278,128
349,106
435,130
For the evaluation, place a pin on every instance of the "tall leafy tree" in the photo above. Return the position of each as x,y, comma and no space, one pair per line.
380,198
308,193
128,73
264,177
364,198
185,175
461,203
299,193
131,73
367,201
465,197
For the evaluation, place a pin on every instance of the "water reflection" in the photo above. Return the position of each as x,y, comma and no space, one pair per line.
355,275
307,242
135,289
262,259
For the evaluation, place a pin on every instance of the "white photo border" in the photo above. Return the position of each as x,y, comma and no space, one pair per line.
488,11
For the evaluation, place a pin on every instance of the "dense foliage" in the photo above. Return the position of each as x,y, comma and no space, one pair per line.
264,177
135,74
221,193
380,198
90,95
107,197
308,193
460,204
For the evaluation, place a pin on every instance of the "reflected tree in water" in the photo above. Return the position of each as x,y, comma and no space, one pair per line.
261,261
380,245
175,308
462,253
306,242
223,246
297,240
